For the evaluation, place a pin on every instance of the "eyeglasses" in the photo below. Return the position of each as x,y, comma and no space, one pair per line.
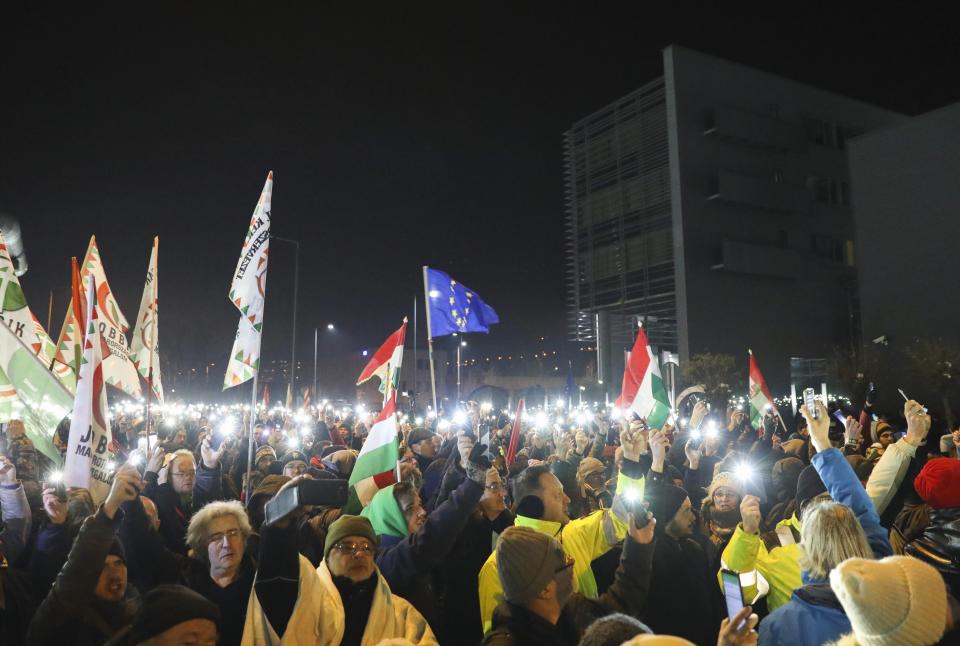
569,564
218,537
354,548
495,487
185,474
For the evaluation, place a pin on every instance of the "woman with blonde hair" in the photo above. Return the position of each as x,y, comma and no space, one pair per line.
834,528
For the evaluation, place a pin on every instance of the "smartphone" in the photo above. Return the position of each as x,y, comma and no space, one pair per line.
809,401
324,493
732,593
840,417
640,510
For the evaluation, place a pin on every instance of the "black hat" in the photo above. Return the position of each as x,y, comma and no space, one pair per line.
809,486
666,502
418,435
165,606
116,548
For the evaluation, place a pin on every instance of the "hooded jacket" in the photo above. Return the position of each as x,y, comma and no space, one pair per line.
776,555
814,606
173,513
407,560
584,539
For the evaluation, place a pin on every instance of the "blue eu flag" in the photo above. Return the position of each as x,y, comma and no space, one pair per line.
454,307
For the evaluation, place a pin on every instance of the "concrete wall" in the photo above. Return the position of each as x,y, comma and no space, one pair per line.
906,198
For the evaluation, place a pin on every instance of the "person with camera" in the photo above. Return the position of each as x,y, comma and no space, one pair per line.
180,486
90,600
542,505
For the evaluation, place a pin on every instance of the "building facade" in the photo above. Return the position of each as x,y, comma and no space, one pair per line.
713,204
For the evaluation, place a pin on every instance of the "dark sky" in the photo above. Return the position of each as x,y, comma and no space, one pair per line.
399,136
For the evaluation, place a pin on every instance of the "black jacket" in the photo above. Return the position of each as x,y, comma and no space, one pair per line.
513,624
456,579
407,563
149,559
70,613
939,545
174,515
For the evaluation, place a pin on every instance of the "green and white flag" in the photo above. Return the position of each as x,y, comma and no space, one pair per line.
145,348
248,290
31,393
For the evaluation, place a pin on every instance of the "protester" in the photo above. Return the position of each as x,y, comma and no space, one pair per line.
420,442
540,602
541,504
896,601
938,484
17,603
186,487
171,614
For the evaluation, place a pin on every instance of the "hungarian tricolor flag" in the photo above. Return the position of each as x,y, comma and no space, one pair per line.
760,397
386,362
515,434
643,391
376,465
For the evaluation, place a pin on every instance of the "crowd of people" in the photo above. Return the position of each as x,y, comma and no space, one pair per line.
598,531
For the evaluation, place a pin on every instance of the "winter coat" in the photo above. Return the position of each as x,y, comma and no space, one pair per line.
584,539
684,600
70,610
407,561
456,577
776,555
814,605
515,625
939,545
318,616
148,555
17,588
173,513
813,617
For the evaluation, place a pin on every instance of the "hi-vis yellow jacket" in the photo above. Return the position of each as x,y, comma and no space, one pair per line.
584,539
775,556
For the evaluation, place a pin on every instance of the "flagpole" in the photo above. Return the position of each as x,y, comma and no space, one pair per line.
153,346
433,376
253,418
415,365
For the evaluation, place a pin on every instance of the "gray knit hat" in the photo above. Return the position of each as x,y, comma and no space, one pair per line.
526,561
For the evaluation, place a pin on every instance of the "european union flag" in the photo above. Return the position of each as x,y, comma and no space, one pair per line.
454,307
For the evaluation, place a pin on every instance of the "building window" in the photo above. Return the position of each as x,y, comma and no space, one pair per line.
827,190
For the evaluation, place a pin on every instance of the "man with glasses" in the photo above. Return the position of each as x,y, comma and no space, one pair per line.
346,601
179,486
540,602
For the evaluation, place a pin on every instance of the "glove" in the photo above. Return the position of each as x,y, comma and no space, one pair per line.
477,464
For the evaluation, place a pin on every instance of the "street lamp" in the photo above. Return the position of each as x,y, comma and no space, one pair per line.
461,345
330,327
316,335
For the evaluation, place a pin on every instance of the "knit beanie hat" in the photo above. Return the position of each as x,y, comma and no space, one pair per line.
809,486
526,562
938,483
165,606
348,526
784,476
896,601
665,501
613,629
589,465
293,456
265,451
727,480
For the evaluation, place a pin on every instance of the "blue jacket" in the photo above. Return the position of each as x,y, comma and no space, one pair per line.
813,615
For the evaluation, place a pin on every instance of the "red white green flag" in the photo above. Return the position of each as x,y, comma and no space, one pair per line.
644,393
386,363
761,401
376,465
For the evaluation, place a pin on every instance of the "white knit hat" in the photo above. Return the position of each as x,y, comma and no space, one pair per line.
727,480
896,601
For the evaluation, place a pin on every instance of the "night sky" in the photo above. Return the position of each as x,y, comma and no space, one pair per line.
399,136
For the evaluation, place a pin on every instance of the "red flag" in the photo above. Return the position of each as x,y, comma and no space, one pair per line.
266,397
515,434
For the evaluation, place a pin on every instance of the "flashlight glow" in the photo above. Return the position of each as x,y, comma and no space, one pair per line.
695,435
135,459
541,419
443,425
459,417
743,471
615,413
55,477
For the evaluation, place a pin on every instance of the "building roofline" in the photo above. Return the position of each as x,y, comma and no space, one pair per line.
880,133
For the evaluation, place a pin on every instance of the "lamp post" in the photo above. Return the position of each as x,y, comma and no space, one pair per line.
460,345
316,338
296,281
